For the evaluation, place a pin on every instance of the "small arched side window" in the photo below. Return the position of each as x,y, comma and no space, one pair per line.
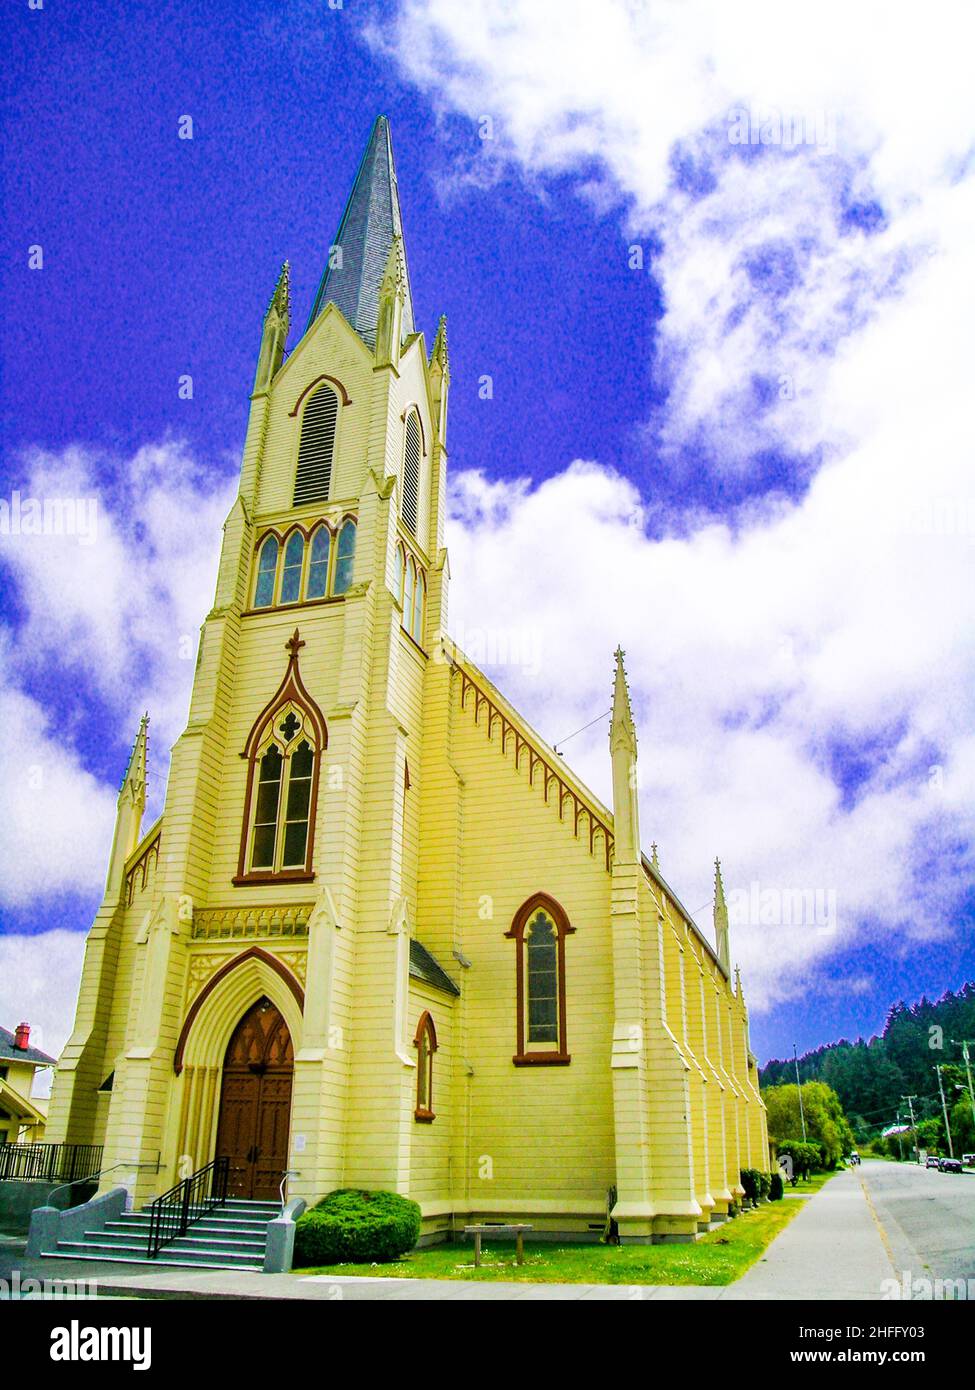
539,929
409,592
419,604
400,574
313,475
321,544
412,455
425,1042
267,566
294,557
345,557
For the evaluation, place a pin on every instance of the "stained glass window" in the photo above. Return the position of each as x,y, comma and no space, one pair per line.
266,568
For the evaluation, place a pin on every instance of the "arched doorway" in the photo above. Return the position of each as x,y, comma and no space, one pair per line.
255,1103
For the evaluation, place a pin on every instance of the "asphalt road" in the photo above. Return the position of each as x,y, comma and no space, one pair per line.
928,1218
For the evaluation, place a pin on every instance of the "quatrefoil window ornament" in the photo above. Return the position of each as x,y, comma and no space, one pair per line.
290,726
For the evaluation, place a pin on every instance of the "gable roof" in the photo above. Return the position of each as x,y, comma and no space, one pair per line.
423,967
598,815
10,1053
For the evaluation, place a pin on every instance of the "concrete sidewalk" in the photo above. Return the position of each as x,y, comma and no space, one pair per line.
833,1248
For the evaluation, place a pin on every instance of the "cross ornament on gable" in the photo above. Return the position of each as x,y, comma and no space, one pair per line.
294,645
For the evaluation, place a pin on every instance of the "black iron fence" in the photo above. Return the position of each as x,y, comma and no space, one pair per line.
61,1163
172,1214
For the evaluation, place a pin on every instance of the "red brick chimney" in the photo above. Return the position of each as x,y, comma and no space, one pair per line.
22,1036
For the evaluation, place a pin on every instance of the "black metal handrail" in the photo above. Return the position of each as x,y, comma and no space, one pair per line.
42,1162
172,1214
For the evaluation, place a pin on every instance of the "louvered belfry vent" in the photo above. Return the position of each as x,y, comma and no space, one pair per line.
411,474
317,446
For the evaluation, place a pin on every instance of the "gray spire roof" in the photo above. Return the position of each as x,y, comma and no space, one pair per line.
370,221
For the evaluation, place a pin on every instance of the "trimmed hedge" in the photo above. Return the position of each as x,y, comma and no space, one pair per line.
350,1226
776,1187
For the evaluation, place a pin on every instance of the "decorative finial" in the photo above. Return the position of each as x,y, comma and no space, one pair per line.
655,862
294,645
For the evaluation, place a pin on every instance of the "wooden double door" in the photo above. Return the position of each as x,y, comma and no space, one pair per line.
255,1103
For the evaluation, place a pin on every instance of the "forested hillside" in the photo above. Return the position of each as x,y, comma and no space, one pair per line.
871,1078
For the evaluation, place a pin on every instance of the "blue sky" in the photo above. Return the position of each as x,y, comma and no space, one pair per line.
724,407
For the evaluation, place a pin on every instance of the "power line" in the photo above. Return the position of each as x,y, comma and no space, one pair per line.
555,746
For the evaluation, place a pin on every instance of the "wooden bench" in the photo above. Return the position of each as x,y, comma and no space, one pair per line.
502,1233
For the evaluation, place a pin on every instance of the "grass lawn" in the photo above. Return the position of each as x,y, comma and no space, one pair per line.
720,1257
806,1187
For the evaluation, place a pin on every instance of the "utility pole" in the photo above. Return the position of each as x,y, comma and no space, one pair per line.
964,1043
944,1111
802,1113
910,1105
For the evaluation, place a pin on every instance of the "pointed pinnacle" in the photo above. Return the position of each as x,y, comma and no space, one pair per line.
655,862
281,298
718,885
394,276
135,770
621,724
439,353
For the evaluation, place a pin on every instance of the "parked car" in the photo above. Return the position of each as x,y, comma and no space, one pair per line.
968,1160
950,1165
932,1161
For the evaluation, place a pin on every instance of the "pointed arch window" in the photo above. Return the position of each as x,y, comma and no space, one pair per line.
419,604
345,556
294,558
409,593
400,574
539,929
267,568
284,753
412,455
425,1042
315,450
321,545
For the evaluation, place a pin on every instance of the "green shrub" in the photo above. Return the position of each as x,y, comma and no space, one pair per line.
350,1226
806,1158
776,1187
764,1181
749,1181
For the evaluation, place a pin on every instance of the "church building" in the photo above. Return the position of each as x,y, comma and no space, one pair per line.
382,936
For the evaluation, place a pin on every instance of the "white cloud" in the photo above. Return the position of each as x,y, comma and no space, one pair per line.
746,655
39,978
117,611
761,645
615,92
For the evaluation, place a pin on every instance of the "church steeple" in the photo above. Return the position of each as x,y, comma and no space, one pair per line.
359,256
